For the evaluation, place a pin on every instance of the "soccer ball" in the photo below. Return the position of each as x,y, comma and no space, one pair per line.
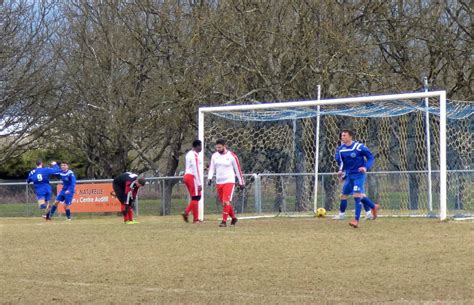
320,212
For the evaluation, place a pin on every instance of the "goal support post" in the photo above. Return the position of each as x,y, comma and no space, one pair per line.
340,101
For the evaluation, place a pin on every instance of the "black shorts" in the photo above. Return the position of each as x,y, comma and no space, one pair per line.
120,193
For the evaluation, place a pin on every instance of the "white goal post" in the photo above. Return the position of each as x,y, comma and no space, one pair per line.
441,95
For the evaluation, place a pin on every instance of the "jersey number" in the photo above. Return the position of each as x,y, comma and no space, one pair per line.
39,177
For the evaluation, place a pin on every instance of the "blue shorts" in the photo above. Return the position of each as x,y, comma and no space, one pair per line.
44,192
354,183
65,198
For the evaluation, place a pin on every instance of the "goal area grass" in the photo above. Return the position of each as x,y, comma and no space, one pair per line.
163,260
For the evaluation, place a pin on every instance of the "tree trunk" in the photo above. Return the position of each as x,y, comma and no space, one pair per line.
279,194
299,166
173,161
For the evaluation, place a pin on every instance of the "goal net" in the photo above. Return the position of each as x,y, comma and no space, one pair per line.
422,145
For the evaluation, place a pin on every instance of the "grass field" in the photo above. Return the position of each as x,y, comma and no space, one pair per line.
163,260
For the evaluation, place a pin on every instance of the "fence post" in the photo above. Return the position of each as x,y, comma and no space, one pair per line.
136,206
27,200
163,206
258,203
243,201
323,197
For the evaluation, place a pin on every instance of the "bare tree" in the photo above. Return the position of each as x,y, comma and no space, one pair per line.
30,92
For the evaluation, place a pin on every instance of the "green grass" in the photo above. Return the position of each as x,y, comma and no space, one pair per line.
163,260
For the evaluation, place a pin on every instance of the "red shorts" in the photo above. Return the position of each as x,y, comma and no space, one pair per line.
191,185
225,191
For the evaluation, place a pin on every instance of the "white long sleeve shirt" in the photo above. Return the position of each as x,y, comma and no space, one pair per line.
226,166
193,165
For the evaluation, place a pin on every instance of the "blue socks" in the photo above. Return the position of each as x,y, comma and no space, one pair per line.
343,206
68,213
368,204
53,209
358,208
43,206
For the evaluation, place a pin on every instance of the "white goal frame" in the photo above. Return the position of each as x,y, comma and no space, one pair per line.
337,101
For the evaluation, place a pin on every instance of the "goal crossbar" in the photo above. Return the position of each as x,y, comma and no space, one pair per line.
324,102
349,100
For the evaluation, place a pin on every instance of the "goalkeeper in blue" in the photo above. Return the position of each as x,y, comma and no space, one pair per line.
66,195
40,179
354,160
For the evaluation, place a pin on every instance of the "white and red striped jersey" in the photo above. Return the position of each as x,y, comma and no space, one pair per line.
193,165
226,166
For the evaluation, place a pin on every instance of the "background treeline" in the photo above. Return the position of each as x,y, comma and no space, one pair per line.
115,85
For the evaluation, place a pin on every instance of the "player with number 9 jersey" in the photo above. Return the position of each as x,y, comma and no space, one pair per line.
40,179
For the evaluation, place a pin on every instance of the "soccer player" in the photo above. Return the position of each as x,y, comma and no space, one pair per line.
226,166
192,180
67,192
126,187
354,160
366,202
40,179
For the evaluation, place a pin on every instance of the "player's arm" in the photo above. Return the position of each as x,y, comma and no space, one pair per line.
237,170
195,169
29,180
54,169
129,191
369,157
212,168
340,164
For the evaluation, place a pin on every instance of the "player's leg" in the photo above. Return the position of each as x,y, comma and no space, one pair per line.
225,213
370,207
227,194
195,201
367,209
358,189
346,191
53,209
48,193
124,210
358,209
42,204
189,183
120,194
67,204
231,209
41,193
131,207
59,199
195,208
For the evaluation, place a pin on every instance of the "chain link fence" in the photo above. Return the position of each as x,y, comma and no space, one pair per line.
399,193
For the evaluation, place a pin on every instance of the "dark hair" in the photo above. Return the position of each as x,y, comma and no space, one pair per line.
64,162
220,141
39,162
141,180
197,143
349,132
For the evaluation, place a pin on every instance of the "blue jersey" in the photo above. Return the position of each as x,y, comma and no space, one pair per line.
40,176
69,181
350,157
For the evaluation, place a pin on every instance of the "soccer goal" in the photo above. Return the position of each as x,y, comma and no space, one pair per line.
422,143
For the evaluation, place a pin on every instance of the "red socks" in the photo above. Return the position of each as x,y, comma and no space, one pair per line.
130,214
231,212
193,206
127,215
227,211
